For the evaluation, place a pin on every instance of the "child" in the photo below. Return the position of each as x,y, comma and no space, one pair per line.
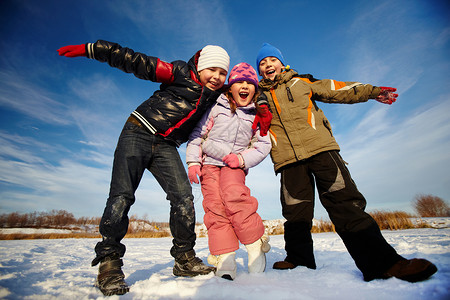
304,151
149,140
220,150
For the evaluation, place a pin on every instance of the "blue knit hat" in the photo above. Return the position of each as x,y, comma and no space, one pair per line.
268,50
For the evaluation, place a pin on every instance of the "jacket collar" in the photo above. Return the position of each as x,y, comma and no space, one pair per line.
267,84
223,100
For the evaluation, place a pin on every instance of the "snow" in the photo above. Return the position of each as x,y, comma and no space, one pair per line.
33,231
60,269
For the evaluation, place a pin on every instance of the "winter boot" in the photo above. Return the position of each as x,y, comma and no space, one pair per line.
225,263
287,265
283,265
188,265
110,279
412,270
256,254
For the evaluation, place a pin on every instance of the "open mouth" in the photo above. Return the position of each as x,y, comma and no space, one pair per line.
270,72
243,95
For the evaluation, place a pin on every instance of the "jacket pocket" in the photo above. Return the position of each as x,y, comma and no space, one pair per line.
327,125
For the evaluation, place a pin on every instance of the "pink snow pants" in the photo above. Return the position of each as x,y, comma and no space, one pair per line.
230,210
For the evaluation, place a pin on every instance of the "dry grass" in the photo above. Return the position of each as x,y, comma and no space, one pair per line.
392,220
80,235
396,220
386,220
37,236
323,226
148,234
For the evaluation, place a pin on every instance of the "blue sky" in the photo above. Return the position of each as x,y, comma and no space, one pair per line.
61,117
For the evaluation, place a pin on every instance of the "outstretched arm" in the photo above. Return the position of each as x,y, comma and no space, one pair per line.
141,65
333,91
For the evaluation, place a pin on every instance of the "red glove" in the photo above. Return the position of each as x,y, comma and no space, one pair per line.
232,160
72,50
263,118
193,172
387,95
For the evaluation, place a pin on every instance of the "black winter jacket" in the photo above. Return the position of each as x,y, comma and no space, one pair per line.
178,105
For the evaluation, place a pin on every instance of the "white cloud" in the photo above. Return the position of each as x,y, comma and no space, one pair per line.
391,45
18,94
186,24
394,159
30,182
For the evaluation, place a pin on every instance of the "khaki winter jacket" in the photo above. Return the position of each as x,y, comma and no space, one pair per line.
299,128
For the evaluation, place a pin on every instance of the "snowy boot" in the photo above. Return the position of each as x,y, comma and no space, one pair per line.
188,265
256,254
225,263
110,279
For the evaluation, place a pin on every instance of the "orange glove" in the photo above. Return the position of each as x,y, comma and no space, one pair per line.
193,172
73,50
387,95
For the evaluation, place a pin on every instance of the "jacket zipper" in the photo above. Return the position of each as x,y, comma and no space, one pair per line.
289,94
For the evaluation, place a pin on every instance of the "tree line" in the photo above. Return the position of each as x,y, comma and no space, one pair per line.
424,205
54,219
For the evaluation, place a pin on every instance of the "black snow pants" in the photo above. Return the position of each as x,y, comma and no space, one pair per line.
345,206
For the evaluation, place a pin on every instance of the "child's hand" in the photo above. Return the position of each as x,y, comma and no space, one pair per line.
263,118
72,50
387,95
194,174
232,160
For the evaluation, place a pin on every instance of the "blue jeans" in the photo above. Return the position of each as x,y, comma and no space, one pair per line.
137,150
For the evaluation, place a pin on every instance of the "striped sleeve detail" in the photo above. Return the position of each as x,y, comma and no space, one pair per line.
90,50
337,85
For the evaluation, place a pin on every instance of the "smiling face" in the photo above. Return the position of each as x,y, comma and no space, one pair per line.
213,78
269,67
242,92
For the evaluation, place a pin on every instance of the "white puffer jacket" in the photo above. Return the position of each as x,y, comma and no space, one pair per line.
221,132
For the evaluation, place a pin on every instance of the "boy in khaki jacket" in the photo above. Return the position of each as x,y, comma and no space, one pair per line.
306,154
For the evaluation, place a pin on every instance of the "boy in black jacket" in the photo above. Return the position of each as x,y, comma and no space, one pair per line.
149,140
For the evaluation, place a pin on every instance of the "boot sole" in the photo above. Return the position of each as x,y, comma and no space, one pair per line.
119,291
424,275
177,272
227,277
110,292
283,266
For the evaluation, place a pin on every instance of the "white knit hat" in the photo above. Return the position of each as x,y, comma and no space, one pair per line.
213,57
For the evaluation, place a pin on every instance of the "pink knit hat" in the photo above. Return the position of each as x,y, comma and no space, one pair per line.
243,72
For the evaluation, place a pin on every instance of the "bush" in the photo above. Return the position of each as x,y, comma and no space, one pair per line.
431,206
52,219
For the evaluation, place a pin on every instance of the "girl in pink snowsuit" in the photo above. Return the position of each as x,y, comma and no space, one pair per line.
220,151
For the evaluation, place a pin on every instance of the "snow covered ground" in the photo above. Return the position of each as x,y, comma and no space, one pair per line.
60,269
